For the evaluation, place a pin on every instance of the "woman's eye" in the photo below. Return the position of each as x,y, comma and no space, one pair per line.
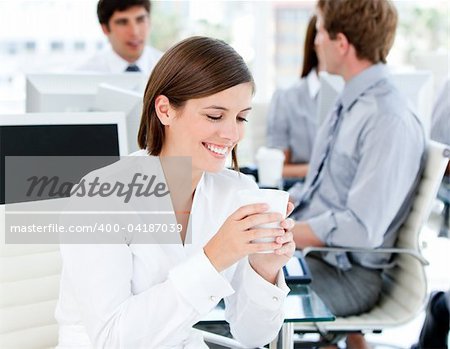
214,117
241,119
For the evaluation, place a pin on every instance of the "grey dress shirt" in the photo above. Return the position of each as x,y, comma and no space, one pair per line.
292,119
440,125
371,172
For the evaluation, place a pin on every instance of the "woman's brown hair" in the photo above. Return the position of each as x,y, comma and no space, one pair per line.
310,60
196,67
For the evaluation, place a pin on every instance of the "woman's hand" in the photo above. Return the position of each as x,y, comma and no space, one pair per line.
268,265
233,241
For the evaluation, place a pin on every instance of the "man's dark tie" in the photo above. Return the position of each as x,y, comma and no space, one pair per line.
132,67
314,184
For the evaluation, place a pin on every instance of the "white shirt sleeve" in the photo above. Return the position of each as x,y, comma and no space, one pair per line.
114,317
255,310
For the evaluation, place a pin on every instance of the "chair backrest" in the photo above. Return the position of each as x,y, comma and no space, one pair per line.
29,286
406,282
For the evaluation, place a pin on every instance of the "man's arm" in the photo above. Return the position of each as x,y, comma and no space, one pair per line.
293,170
304,236
388,166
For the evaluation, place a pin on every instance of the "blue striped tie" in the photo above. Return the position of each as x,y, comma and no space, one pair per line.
318,176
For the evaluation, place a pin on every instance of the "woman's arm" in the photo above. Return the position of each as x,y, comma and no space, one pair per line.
255,310
101,280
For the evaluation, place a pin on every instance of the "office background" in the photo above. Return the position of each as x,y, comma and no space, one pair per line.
53,35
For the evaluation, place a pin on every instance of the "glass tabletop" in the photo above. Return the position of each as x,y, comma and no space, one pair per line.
301,305
304,305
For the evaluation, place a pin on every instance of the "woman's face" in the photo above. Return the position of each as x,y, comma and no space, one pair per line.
208,128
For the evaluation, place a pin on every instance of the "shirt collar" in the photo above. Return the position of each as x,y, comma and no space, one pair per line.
143,61
361,82
313,83
119,64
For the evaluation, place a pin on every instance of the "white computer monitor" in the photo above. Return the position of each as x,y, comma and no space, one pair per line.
416,86
73,92
51,134
112,98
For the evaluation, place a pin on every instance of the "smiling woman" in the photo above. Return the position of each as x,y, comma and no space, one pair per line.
206,129
135,295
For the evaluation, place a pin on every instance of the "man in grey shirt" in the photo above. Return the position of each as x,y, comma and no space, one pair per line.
366,161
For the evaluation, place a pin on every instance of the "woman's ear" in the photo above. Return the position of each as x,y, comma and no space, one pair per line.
164,110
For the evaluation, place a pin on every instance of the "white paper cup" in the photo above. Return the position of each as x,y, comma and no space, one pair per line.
270,166
276,199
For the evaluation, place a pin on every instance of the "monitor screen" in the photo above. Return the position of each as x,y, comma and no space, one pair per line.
72,134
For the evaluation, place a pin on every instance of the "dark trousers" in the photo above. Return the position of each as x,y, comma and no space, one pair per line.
434,334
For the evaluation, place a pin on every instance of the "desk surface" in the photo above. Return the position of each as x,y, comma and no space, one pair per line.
301,305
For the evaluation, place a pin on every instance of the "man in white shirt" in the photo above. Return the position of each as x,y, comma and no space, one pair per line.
126,23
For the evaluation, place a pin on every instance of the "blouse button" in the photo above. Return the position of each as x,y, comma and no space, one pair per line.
213,299
275,299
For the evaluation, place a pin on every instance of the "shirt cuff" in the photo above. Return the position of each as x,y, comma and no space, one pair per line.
200,283
295,192
322,225
262,292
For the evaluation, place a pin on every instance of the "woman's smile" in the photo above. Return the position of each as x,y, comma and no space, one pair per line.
216,150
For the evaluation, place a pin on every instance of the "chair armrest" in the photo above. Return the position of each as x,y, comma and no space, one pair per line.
407,251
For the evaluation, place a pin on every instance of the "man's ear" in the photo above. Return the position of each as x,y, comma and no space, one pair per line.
105,29
343,43
164,111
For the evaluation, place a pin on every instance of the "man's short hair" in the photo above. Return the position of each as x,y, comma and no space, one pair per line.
369,25
106,8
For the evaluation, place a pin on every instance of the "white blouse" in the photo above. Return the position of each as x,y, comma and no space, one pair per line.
150,295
